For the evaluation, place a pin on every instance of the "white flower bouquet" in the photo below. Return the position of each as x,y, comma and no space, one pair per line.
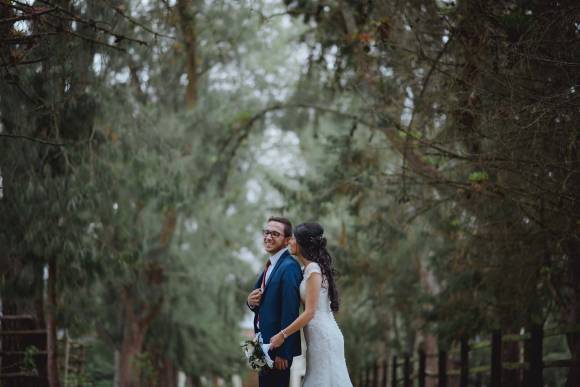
257,353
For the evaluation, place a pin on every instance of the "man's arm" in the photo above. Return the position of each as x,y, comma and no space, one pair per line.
290,307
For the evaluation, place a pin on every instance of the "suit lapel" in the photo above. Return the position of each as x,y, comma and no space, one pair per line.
275,269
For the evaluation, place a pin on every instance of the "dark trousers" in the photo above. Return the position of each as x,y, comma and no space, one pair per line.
275,378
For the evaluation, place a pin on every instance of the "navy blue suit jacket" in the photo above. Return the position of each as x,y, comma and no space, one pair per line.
280,305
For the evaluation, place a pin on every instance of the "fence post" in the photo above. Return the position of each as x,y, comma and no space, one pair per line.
442,365
375,374
496,366
385,372
536,347
360,377
407,371
368,376
464,376
394,372
422,368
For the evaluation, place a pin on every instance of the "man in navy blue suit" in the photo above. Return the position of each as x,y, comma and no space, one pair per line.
275,300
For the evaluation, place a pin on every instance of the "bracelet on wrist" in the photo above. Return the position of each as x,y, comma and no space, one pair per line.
284,334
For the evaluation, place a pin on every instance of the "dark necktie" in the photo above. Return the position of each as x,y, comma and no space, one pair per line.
264,275
263,286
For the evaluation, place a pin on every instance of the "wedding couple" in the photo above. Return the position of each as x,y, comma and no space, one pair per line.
276,299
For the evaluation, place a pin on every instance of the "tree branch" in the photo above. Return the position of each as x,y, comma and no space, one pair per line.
33,139
153,311
119,10
64,13
27,16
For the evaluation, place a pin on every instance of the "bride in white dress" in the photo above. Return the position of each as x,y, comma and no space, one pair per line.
325,362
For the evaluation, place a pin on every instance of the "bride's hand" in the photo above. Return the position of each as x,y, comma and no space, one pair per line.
276,340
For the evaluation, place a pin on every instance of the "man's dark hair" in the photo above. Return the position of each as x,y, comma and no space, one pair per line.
285,222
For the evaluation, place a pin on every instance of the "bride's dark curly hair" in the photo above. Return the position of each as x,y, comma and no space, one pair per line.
312,243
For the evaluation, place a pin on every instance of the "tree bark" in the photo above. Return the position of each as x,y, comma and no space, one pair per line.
129,372
573,317
51,339
511,354
134,331
168,374
6,13
136,325
426,340
187,26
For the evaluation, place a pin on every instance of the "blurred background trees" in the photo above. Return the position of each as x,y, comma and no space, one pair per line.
143,145
123,194
459,165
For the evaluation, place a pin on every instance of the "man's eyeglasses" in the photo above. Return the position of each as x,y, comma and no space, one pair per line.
274,234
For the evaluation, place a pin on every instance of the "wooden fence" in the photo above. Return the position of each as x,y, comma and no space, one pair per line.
23,354
408,371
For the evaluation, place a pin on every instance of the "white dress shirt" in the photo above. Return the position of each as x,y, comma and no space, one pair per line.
273,261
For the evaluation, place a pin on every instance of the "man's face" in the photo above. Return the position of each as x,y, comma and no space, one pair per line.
273,237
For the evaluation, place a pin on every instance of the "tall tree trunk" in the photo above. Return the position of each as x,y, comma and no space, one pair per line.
6,28
50,311
186,17
573,317
511,354
168,374
136,325
129,371
572,250
193,381
428,343
424,339
135,329
133,337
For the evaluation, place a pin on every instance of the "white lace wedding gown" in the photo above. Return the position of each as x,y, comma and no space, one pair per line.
325,362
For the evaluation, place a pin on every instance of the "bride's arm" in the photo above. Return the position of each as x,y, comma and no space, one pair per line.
313,284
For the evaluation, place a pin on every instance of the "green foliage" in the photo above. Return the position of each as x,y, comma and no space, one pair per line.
436,142
28,362
147,199
478,177
465,223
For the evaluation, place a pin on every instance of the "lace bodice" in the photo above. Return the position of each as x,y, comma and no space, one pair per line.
325,362
323,298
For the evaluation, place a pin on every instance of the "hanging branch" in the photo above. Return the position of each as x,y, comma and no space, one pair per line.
58,12
33,139
45,142
132,20
27,16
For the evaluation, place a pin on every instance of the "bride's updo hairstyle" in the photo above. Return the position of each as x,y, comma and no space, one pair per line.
312,243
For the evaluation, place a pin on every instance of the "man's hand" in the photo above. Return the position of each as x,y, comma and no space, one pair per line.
280,363
276,340
254,297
